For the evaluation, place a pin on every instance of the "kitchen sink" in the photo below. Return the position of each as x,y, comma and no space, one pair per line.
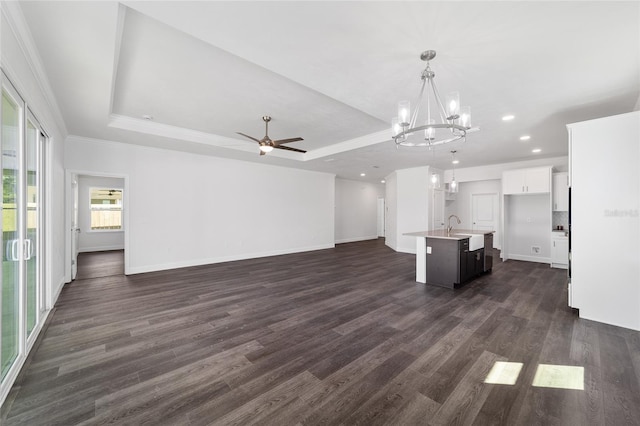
476,241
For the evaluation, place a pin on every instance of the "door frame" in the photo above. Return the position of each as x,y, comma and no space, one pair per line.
68,174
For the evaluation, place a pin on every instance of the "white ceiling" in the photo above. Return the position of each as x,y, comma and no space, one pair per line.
333,72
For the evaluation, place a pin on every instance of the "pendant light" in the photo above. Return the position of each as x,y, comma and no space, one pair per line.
453,186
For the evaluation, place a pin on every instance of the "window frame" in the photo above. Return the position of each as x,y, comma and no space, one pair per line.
91,210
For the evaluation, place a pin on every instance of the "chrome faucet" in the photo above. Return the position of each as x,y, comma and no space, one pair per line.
449,227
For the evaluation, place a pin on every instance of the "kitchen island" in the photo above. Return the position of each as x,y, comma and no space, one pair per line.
451,259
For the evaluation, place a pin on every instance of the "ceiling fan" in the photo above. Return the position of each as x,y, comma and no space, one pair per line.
109,192
267,145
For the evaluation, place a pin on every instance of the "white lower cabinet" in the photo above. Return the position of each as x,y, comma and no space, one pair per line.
559,250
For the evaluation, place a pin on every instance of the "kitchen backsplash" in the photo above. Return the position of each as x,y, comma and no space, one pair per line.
560,219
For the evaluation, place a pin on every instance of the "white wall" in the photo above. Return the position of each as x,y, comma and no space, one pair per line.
461,206
528,220
223,210
89,240
412,205
356,210
605,219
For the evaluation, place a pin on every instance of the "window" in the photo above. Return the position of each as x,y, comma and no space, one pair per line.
106,209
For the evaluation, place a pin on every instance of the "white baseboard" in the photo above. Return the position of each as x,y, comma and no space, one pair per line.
529,258
397,249
211,260
101,248
353,240
56,292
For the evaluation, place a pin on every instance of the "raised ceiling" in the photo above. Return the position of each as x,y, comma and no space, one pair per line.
332,73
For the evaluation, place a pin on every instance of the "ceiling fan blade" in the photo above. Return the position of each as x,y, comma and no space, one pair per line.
250,137
288,148
278,142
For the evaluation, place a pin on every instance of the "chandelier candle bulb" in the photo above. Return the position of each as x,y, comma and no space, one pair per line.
453,105
465,117
395,126
430,132
404,109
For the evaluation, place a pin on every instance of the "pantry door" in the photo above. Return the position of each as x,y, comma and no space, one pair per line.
485,214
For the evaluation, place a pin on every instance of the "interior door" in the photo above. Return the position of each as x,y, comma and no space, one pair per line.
380,223
438,209
75,230
484,214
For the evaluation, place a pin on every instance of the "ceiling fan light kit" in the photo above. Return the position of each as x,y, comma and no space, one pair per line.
267,144
441,122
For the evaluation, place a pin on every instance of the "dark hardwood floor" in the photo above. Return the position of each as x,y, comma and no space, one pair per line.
339,336
100,264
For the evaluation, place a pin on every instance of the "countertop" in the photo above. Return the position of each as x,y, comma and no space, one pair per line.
455,234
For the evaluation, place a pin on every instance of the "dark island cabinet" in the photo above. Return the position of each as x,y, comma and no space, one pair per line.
450,263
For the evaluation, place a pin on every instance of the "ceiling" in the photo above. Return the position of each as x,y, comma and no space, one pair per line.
333,72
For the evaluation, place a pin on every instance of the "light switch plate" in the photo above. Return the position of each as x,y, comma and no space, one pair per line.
428,249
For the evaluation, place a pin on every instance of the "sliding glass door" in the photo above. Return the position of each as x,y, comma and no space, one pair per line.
22,296
33,160
12,114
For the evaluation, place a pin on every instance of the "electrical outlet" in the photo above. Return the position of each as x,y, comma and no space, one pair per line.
535,249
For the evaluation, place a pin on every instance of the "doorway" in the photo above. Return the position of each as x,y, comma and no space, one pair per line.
97,216
380,221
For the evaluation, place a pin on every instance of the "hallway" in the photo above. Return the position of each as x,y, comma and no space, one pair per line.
100,264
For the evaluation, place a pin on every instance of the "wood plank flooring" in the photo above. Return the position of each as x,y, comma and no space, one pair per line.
338,336
100,264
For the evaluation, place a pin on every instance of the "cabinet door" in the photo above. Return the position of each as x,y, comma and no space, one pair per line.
513,182
538,180
560,251
561,192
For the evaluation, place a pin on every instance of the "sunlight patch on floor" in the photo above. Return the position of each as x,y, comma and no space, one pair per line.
559,376
504,373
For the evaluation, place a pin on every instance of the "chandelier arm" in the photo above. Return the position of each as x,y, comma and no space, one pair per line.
436,95
414,117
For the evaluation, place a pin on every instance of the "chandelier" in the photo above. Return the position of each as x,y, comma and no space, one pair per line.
438,125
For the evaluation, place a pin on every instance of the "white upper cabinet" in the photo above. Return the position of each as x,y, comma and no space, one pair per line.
535,180
561,192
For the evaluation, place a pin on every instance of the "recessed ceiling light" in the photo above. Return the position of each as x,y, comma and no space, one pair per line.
508,117
147,117
536,150
383,181
455,162
525,137
363,174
